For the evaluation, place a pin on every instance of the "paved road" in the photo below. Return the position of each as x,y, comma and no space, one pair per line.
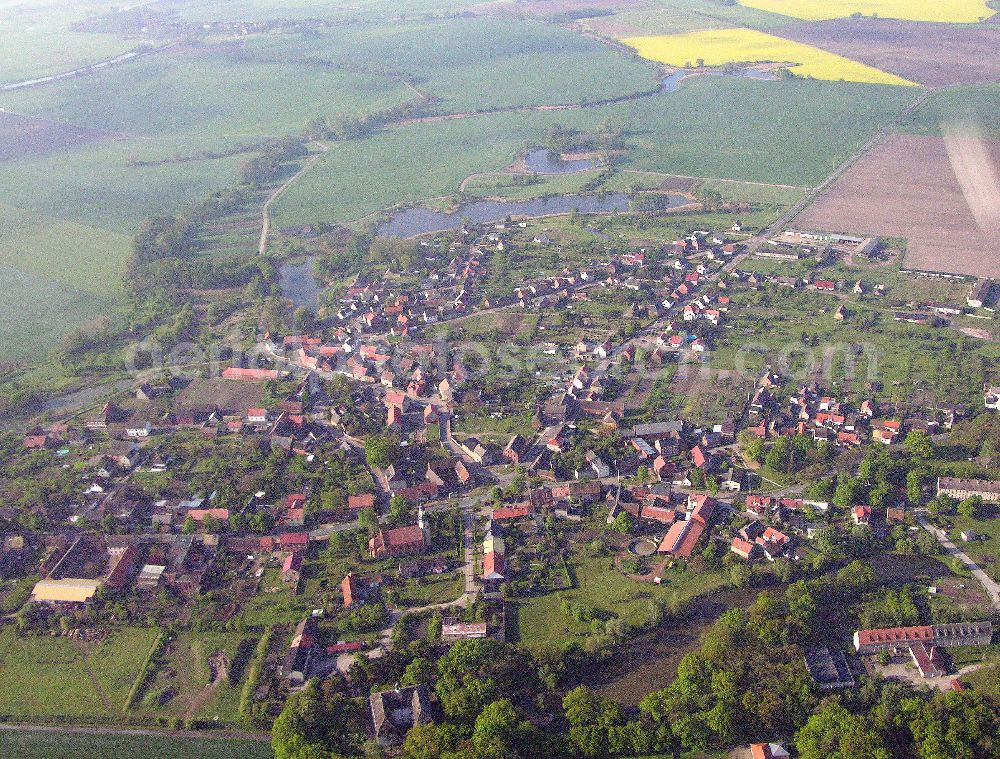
992,588
470,564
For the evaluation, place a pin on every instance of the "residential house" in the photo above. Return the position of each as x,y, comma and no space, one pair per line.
988,490
394,712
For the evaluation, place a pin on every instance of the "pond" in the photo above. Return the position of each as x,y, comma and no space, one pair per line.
298,283
544,161
419,221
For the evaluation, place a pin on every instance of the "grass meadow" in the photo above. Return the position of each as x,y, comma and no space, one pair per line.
37,40
180,687
543,623
476,63
33,744
58,677
797,131
908,360
206,99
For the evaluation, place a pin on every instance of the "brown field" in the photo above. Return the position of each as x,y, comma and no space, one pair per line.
216,393
933,54
24,136
906,187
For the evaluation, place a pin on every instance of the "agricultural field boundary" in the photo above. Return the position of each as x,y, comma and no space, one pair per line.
879,137
265,226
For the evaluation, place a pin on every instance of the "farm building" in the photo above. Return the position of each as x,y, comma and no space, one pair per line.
68,590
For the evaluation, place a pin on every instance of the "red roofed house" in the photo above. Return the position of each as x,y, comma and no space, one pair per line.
701,459
494,566
356,590
362,501
293,540
295,500
199,515
400,541
511,512
672,540
768,751
862,514
249,375
891,638
291,570
661,514
743,548
703,507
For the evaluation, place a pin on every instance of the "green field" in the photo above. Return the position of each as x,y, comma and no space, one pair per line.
906,359
544,624
36,40
62,252
796,132
78,205
46,745
476,63
181,685
197,99
58,677
979,105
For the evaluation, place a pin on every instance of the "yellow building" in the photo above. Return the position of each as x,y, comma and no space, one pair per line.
493,543
67,590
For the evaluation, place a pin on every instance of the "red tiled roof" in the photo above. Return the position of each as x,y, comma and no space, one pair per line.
494,562
295,500
742,546
293,562
199,514
900,635
362,501
704,506
511,512
252,375
403,536
672,539
686,548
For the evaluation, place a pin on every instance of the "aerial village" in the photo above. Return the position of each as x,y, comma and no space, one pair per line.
392,472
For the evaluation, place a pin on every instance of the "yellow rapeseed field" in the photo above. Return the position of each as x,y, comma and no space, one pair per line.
721,46
947,11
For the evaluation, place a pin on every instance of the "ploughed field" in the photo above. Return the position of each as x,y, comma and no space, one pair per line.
936,55
907,187
22,136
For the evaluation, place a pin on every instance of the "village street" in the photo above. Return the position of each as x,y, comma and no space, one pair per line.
992,588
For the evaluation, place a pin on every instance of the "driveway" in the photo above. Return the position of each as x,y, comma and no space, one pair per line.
991,587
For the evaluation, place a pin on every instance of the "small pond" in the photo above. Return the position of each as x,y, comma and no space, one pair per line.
298,283
546,162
